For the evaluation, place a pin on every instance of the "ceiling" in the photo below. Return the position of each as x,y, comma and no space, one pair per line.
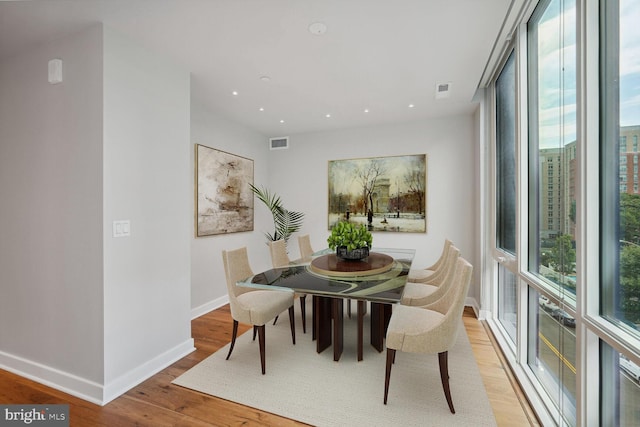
379,55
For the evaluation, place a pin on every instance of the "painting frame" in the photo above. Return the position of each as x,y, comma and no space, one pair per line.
387,194
224,202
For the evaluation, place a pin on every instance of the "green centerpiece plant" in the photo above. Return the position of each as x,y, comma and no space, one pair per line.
351,241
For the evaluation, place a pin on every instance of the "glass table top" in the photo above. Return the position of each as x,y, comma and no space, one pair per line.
383,281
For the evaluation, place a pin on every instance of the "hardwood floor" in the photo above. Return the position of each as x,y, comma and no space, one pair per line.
156,402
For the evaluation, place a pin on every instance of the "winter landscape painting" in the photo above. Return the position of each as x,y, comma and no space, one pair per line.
385,193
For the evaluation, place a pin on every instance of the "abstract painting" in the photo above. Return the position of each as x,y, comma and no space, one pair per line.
385,193
224,200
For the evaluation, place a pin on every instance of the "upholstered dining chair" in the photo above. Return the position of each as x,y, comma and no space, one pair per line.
304,243
430,329
253,306
419,294
422,275
280,258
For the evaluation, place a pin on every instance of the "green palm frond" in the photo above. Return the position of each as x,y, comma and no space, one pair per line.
285,222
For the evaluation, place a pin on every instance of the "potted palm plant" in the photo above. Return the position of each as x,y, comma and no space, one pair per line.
350,241
285,222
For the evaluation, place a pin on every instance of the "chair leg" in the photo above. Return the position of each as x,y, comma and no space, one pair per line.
303,310
233,337
391,355
293,324
262,350
275,320
255,331
444,377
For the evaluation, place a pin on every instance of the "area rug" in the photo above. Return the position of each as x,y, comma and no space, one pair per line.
309,387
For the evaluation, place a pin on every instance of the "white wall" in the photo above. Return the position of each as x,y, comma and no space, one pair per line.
147,180
299,175
208,288
80,310
51,303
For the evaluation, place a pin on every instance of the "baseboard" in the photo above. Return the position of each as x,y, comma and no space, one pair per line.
473,303
209,306
83,388
134,377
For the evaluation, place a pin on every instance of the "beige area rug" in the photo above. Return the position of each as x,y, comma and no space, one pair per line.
309,387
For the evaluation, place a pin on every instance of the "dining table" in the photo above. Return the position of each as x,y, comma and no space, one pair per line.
379,279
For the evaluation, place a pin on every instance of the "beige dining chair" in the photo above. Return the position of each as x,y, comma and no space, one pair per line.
423,275
253,306
306,251
419,294
280,258
430,329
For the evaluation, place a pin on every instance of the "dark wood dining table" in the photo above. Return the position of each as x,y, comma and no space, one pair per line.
378,279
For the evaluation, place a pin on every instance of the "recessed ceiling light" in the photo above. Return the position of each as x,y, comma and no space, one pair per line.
366,110
234,93
318,28
265,79
411,105
281,121
327,115
261,109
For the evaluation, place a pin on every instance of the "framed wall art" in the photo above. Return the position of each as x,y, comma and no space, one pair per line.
385,193
224,200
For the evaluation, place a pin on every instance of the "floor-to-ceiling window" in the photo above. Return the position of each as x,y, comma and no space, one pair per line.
620,213
565,260
551,148
506,178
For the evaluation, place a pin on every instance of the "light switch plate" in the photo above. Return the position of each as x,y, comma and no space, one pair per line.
121,228
55,71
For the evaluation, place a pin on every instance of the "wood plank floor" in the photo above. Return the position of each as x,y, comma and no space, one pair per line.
156,402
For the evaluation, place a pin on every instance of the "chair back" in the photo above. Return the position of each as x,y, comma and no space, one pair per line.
236,267
278,250
443,256
443,276
451,305
304,242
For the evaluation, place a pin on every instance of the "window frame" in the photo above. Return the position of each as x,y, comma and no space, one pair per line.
592,328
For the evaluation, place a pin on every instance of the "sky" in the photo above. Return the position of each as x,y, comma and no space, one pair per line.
557,74
629,62
557,70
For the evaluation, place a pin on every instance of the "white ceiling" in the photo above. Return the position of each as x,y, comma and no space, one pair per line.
377,54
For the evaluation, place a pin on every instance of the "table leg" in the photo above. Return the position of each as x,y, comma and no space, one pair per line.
362,309
338,330
322,324
313,319
380,316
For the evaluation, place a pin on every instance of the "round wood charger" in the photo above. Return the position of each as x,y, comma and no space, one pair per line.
331,265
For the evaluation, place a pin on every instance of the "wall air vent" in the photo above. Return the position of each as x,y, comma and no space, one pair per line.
280,143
